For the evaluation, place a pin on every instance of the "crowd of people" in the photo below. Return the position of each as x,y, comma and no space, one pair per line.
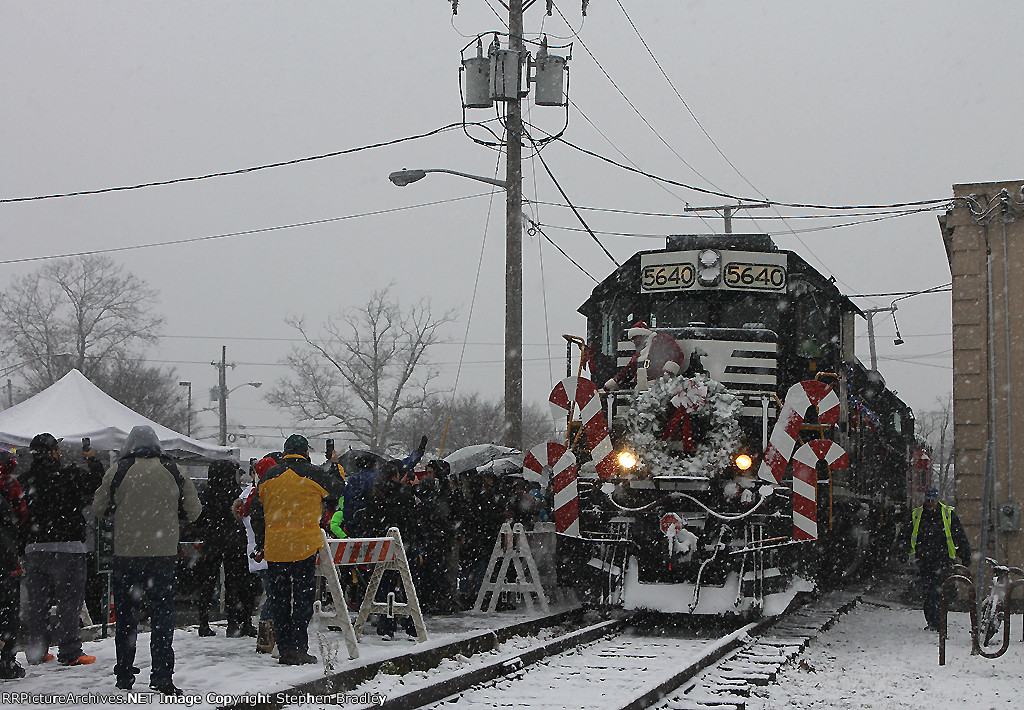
263,526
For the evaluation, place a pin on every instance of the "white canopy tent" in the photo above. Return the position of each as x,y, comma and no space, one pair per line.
73,408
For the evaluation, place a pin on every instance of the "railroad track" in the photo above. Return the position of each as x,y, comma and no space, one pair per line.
611,665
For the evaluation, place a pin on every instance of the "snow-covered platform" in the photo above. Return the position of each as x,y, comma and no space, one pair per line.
221,671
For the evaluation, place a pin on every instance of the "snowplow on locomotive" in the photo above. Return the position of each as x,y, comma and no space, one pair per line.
730,450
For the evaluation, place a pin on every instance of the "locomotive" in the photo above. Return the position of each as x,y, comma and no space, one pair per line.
683,514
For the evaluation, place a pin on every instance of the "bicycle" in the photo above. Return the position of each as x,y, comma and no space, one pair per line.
993,606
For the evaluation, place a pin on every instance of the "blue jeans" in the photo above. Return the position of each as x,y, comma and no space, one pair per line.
291,602
932,577
154,578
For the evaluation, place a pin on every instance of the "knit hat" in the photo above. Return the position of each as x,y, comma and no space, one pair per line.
296,444
639,328
931,494
264,465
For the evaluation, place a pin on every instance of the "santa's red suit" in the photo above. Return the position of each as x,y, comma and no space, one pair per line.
657,354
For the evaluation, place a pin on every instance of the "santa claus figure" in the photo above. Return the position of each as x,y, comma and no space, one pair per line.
656,354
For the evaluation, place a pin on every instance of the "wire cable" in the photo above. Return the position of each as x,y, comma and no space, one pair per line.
240,171
245,232
569,202
536,226
944,202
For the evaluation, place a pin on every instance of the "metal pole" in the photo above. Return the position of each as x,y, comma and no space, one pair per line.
10,393
871,337
514,249
189,415
727,213
223,366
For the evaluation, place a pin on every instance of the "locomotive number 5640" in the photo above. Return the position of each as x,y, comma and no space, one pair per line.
767,277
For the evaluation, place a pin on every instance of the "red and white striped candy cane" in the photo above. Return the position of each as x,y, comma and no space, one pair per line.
584,393
562,464
785,434
805,483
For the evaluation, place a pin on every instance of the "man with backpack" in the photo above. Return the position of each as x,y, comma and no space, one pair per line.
147,497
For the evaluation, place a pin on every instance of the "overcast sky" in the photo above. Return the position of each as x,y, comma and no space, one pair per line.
824,102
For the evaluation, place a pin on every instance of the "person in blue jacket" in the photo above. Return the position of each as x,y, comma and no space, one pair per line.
360,482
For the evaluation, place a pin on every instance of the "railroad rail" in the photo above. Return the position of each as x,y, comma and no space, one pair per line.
612,665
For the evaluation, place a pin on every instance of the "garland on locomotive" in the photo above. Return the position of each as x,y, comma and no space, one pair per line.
689,518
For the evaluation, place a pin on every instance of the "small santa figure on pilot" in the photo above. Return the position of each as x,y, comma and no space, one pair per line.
656,354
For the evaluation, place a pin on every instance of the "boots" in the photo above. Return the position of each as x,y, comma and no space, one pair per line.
265,637
204,626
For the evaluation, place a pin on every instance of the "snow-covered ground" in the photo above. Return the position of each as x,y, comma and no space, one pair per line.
881,657
220,670
877,656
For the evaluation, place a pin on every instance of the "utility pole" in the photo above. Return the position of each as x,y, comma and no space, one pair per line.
222,367
499,77
727,211
514,247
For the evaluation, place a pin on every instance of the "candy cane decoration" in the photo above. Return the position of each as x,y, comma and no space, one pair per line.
584,393
785,434
562,463
805,483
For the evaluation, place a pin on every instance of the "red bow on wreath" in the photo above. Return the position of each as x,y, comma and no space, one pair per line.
689,399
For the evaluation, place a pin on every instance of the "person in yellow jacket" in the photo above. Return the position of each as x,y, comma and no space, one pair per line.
286,524
937,540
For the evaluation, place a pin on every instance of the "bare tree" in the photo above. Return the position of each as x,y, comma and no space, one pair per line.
151,391
89,313
936,428
470,419
366,368
88,307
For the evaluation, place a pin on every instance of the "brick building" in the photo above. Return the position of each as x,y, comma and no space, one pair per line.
984,238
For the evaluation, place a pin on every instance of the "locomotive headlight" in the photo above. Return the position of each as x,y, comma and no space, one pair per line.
710,271
743,462
627,459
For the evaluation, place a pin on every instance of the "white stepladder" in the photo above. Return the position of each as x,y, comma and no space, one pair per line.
512,548
384,553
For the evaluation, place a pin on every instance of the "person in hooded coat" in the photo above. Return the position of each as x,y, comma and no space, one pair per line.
224,544
146,495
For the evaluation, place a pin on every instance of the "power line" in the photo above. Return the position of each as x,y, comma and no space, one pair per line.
680,97
245,232
936,203
240,171
571,206
821,228
692,215
536,226
636,110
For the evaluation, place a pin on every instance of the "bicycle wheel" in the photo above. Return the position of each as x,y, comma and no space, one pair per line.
988,622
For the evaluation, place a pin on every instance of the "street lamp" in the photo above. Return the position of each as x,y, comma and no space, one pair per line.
403,177
513,186
224,392
189,415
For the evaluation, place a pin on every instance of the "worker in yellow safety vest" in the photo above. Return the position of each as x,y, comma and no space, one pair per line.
937,541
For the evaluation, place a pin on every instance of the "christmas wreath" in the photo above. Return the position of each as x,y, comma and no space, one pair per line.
713,423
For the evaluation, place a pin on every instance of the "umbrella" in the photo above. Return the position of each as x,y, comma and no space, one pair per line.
348,459
477,455
503,467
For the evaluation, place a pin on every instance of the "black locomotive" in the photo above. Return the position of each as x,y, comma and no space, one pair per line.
688,527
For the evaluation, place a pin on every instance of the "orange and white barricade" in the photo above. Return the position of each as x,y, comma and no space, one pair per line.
384,553
511,548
